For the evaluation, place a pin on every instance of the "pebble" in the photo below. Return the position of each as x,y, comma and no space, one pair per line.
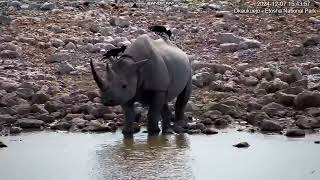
242,145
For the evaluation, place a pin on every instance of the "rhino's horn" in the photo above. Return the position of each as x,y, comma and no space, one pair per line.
96,77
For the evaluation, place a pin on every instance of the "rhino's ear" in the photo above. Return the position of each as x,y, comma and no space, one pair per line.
140,64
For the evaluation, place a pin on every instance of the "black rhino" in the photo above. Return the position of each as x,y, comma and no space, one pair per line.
152,72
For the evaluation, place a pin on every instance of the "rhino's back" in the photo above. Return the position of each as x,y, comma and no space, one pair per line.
176,62
178,66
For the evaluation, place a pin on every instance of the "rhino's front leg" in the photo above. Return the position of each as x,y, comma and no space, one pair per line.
129,114
154,114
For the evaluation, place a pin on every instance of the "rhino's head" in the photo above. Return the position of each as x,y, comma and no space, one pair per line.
120,83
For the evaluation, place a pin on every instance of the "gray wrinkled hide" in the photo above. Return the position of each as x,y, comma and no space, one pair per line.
169,69
165,75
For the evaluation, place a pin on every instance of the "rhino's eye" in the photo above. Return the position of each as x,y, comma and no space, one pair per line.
124,86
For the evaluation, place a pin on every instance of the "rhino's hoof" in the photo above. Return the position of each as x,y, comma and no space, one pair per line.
167,131
153,132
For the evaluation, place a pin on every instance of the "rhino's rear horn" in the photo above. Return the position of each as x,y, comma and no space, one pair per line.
96,77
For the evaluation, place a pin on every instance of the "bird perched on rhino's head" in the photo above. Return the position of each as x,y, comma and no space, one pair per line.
152,72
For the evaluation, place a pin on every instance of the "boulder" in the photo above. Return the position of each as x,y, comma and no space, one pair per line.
295,133
47,6
307,99
272,126
30,123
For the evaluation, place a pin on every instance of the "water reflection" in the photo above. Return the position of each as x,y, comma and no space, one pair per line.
152,157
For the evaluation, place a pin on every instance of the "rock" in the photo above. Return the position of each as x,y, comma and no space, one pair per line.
274,109
311,41
58,57
297,51
207,121
119,21
229,47
317,142
9,54
107,31
36,108
249,44
61,126
220,107
7,110
223,38
4,20
96,126
71,46
197,126
79,122
65,68
53,106
194,131
305,122
315,70
256,118
307,99
47,118
295,133
30,85
47,6
268,125
6,118
9,86
40,98
209,131
242,145
285,99
94,28
15,130
250,81
22,109
25,93
253,106
57,43
276,85
2,145
201,79
30,123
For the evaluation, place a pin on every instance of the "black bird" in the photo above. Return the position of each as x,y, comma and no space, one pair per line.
114,52
160,30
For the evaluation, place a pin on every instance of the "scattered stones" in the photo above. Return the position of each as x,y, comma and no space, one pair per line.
61,126
295,133
201,79
242,145
9,54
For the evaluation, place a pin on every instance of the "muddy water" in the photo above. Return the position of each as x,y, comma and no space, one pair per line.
70,156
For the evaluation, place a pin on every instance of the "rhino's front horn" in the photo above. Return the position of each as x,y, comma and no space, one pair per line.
96,77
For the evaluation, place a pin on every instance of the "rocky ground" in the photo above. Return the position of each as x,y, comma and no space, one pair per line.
255,72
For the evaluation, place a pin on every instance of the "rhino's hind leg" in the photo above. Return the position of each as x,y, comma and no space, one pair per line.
154,113
181,103
166,119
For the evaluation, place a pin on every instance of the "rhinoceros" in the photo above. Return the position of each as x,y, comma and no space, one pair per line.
152,72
